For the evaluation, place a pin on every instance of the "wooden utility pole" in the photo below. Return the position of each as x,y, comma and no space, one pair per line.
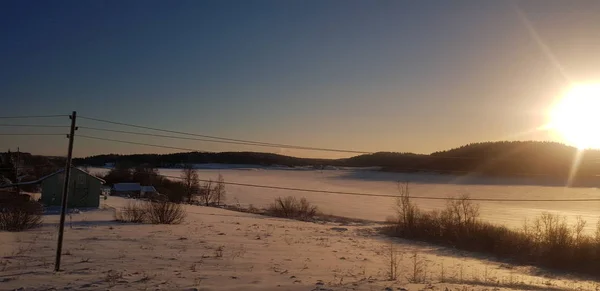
65,194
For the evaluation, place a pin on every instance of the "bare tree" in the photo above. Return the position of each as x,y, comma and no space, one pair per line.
219,193
191,181
406,210
145,174
206,193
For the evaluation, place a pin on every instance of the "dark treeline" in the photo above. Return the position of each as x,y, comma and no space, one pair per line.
27,167
177,159
502,159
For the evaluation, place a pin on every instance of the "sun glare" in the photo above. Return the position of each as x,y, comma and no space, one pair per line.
576,117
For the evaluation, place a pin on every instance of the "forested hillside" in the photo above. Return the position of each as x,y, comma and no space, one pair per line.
509,159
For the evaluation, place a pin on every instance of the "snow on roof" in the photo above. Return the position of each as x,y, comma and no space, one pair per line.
127,187
148,189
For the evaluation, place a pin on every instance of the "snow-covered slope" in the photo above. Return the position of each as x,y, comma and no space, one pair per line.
216,249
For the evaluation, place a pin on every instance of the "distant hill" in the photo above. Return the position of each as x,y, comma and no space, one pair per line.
506,159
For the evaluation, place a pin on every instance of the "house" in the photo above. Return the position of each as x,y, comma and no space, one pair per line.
126,189
84,189
148,191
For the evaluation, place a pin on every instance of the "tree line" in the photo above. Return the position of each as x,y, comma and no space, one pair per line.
23,167
501,159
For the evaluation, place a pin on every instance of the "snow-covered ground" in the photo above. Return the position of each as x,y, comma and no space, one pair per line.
512,214
216,249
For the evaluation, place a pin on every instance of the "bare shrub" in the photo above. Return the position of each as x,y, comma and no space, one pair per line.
238,252
290,207
132,212
165,212
579,237
20,215
147,277
156,212
112,277
253,209
219,251
393,263
547,241
418,270
461,211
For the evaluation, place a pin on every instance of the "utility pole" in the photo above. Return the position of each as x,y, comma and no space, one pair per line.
65,194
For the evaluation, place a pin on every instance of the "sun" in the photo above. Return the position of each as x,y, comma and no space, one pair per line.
576,117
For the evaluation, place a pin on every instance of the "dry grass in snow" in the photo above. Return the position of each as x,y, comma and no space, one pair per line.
216,249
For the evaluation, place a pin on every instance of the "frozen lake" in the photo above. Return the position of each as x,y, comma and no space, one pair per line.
512,214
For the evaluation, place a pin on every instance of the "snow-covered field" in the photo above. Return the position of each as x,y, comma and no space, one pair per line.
216,249
512,214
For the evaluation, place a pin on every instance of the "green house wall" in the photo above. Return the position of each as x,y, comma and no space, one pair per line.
84,190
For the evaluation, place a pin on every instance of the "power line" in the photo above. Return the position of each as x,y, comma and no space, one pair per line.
386,195
63,134
228,139
235,142
32,116
136,143
33,125
232,140
179,137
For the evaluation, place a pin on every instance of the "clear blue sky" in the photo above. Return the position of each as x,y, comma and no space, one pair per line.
415,76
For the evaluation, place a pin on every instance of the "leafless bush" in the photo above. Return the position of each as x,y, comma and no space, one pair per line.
112,277
133,212
461,211
219,251
155,212
147,277
418,270
253,209
20,215
547,241
393,263
165,212
238,252
290,207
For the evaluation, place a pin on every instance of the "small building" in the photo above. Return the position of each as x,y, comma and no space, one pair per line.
148,191
126,189
84,189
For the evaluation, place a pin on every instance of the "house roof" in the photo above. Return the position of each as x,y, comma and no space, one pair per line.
72,168
48,176
148,189
127,187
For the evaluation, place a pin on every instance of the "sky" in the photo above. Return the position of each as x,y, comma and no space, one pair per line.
406,76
